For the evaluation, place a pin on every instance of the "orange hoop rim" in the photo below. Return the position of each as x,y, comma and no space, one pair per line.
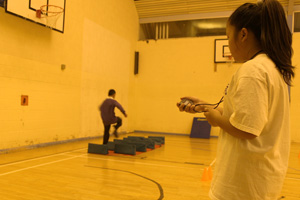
46,11
229,59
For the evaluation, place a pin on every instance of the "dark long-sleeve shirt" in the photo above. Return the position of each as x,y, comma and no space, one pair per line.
107,109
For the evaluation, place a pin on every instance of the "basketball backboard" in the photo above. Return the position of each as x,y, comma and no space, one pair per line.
27,9
222,51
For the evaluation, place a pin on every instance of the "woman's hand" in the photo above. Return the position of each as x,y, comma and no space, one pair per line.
212,116
190,107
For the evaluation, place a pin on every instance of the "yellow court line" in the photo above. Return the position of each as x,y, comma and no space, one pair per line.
39,158
35,166
82,156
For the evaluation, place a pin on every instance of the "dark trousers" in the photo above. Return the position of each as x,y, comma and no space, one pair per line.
107,128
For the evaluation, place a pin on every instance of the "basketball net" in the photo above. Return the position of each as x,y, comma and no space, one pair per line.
229,59
51,13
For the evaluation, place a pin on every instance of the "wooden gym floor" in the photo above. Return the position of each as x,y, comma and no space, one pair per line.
171,172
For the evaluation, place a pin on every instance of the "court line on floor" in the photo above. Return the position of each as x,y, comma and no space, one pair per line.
38,158
161,191
35,166
297,179
150,164
140,157
78,156
294,169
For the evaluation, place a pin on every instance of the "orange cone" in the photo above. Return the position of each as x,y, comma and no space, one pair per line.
205,175
210,174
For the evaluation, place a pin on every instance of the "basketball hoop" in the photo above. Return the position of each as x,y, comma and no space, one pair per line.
51,13
229,59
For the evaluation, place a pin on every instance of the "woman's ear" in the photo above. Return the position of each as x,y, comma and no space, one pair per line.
244,34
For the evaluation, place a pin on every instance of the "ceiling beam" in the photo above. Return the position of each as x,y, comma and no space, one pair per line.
185,17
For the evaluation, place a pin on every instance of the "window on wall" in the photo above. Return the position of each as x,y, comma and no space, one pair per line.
297,22
192,28
182,29
1,3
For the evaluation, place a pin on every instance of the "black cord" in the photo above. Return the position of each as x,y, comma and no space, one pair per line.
208,104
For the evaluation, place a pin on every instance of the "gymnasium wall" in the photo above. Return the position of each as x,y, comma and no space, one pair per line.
98,50
173,68
295,91
98,39
110,33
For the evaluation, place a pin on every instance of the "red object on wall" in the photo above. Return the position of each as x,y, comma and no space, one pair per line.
24,100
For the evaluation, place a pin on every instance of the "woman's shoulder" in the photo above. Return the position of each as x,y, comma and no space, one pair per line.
258,67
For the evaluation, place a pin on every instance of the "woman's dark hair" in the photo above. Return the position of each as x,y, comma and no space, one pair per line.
111,92
267,21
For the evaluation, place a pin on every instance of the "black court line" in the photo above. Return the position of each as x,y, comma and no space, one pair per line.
171,161
294,169
159,160
203,149
161,191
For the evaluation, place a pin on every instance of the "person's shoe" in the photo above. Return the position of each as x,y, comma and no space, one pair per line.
116,133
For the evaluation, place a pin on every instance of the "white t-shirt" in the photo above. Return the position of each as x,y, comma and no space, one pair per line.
257,102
